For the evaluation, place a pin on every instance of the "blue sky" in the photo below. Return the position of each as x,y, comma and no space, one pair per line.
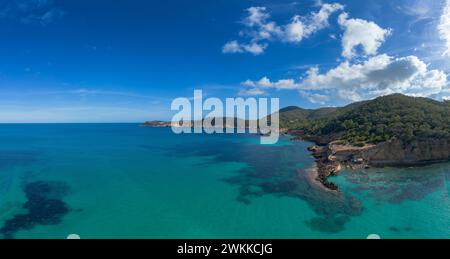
126,60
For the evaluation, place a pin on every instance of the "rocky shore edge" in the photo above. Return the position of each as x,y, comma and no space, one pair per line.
332,157
325,168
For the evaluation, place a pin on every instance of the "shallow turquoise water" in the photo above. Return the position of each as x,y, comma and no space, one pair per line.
126,181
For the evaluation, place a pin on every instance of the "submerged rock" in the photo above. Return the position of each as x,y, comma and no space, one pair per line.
44,206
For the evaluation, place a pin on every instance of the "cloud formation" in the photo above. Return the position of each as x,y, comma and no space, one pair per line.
358,32
259,30
444,27
378,75
251,92
265,82
364,73
235,47
314,97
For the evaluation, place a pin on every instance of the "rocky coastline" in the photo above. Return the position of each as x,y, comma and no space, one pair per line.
334,156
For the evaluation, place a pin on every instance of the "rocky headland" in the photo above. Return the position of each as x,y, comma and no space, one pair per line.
331,158
392,130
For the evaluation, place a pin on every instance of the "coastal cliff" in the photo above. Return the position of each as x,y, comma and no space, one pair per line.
333,157
397,152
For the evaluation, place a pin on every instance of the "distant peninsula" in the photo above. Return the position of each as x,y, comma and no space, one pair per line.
226,123
157,124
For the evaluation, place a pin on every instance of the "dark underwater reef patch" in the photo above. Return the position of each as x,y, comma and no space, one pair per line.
44,206
273,170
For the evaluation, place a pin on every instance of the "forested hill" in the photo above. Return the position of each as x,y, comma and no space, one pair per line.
384,118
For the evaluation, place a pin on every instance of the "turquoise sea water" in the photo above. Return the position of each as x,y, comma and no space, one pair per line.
126,181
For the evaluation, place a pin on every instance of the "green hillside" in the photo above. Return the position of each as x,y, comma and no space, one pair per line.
292,116
381,119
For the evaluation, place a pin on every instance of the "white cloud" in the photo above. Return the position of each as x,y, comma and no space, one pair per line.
251,92
254,48
249,83
358,32
236,47
294,31
265,82
232,47
369,76
444,27
297,30
256,16
378,75
319,20
315,98
259,30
